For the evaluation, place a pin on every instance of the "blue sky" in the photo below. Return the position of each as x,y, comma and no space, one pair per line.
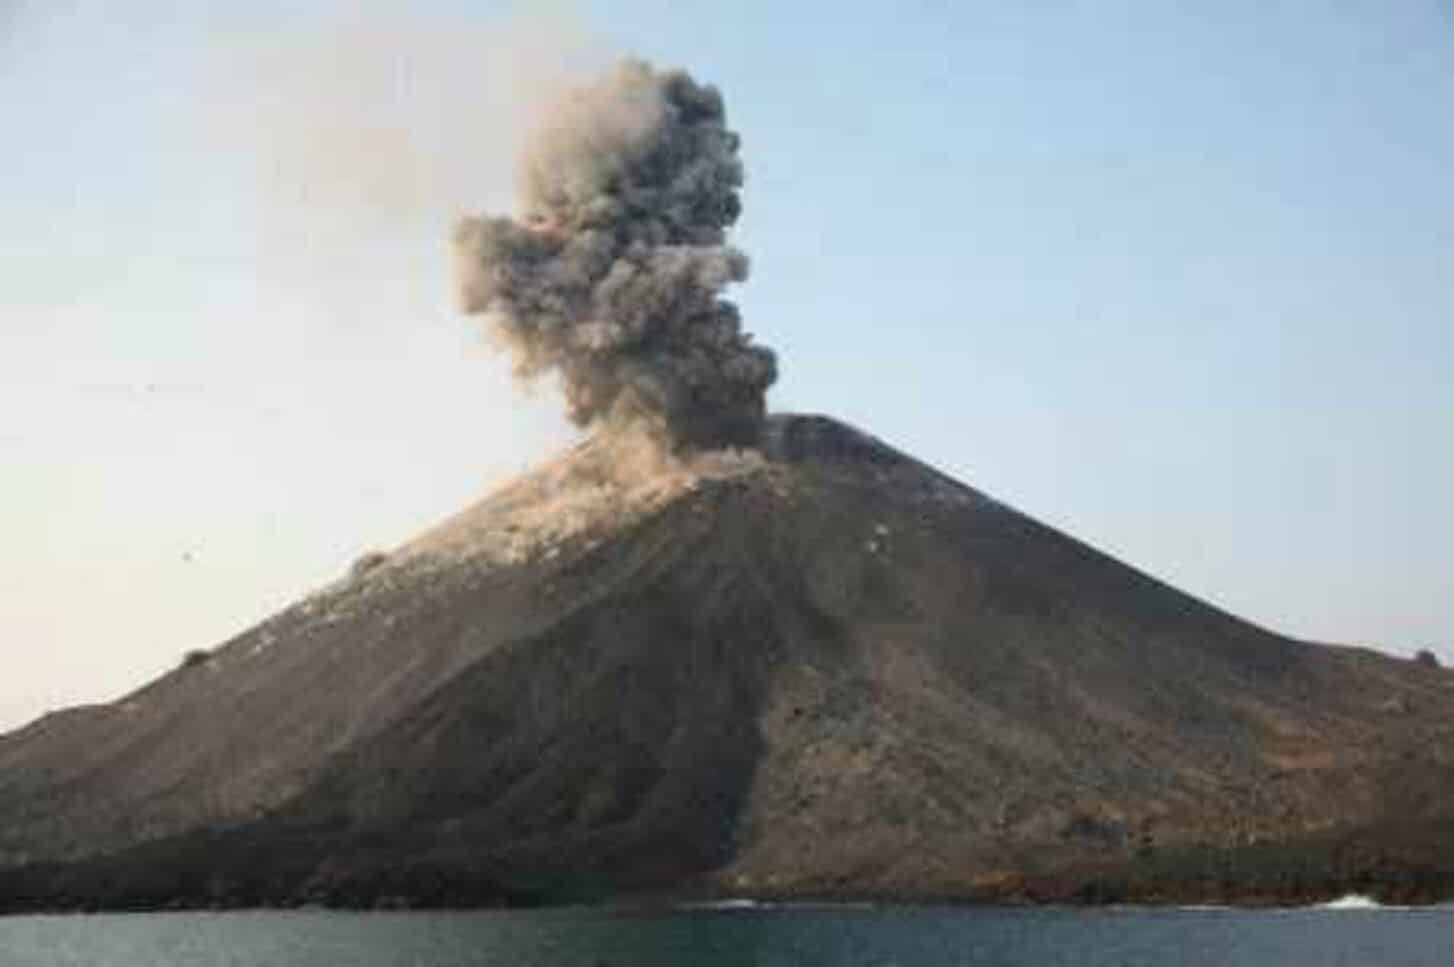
1172,277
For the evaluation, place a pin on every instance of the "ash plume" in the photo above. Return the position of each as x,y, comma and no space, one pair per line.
612,276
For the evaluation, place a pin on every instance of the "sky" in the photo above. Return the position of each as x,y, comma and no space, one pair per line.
1171,277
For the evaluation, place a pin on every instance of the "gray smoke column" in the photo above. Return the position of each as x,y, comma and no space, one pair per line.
613,275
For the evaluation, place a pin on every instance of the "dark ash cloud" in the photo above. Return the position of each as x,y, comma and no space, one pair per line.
613,275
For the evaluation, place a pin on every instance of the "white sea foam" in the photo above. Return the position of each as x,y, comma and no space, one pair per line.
731,903
1351,901
1358,901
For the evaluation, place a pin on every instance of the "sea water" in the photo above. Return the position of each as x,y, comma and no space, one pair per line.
743,934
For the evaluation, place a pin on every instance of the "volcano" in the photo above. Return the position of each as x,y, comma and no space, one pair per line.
815,669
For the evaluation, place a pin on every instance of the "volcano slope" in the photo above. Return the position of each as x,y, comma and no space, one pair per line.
822,670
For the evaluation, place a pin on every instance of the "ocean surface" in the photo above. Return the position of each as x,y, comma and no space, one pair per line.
851,937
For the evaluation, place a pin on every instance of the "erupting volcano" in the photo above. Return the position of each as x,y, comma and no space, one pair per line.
712,652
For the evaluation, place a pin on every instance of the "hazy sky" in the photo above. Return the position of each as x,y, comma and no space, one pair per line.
1175,278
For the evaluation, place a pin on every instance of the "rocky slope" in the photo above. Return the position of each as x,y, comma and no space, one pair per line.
821,670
